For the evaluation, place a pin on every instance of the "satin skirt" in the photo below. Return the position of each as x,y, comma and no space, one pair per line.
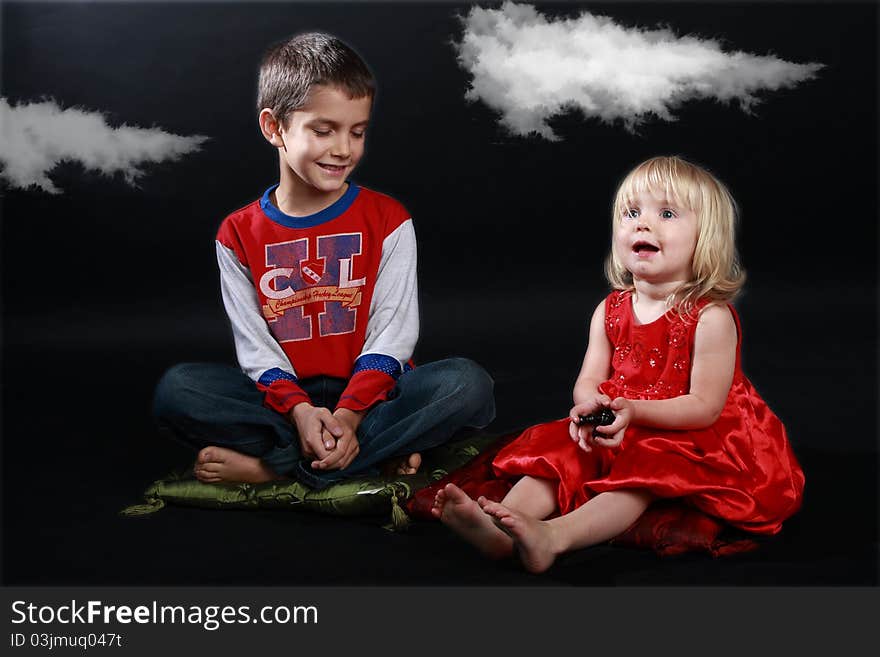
741,469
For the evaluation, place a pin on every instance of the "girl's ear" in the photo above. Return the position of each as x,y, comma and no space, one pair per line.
271,128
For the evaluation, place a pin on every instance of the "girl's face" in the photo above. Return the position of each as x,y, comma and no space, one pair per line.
655,239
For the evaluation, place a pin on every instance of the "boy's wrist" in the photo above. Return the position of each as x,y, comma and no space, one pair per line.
350,417
298,410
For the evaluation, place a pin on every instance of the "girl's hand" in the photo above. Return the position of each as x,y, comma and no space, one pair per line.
582,434
611,435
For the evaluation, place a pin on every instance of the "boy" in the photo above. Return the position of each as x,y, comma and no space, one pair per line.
318,279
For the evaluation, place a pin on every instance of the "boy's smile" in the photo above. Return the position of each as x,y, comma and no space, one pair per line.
323,142
333,169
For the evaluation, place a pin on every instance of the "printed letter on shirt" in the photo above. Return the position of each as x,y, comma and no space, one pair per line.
295,280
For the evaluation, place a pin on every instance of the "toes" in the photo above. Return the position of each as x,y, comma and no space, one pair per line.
208,478
456,499
455,494
410,465
210,455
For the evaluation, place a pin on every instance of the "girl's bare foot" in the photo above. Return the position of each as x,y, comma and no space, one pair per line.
463,515
404,466
532,538
221,465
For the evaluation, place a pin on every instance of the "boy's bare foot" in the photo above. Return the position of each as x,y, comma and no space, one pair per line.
221,465
465,517
532,538
404,466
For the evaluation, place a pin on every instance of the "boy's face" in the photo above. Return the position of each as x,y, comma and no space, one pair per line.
324,139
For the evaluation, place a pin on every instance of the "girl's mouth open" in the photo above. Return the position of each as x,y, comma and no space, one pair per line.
644,249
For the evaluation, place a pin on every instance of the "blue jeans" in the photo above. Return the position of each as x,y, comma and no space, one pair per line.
206,404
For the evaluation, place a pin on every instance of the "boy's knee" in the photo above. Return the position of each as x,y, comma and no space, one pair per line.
171,390
470,382
473,375
475,391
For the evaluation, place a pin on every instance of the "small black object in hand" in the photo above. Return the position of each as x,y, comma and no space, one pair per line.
597,419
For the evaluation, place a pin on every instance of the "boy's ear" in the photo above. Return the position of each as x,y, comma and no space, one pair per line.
271,128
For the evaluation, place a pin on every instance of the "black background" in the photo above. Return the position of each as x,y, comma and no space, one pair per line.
105,286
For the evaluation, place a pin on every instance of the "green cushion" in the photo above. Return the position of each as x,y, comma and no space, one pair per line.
358,496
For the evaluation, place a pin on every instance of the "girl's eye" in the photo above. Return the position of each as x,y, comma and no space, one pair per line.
322,133
357,135
631,213
667,214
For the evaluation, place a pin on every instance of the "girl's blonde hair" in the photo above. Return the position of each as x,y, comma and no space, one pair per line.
718,275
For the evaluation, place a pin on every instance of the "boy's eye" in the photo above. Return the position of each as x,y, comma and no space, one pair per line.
667,214
631,213
321,133
358,135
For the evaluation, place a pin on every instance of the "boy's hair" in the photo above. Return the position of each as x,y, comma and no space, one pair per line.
718,275
291,68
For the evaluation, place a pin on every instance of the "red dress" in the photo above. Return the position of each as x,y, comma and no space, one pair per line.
741,469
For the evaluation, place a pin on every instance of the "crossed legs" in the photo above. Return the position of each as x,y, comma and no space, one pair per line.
216,465
217,410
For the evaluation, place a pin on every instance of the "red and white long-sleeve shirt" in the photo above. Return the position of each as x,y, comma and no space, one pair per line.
333,294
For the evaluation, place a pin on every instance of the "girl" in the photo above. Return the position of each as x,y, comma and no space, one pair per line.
664,356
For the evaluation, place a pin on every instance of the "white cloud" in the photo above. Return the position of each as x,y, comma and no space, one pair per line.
36,137
530,68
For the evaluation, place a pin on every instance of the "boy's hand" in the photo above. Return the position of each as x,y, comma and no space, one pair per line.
611,435
582,434
318,430
347,446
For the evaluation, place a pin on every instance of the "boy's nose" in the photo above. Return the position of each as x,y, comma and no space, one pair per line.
341,147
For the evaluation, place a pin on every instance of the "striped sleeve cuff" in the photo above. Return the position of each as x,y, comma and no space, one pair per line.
282,392
372,380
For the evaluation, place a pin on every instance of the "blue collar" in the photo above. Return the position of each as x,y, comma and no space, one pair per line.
330,212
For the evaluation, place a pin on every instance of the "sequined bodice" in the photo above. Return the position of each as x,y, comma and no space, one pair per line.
650,361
